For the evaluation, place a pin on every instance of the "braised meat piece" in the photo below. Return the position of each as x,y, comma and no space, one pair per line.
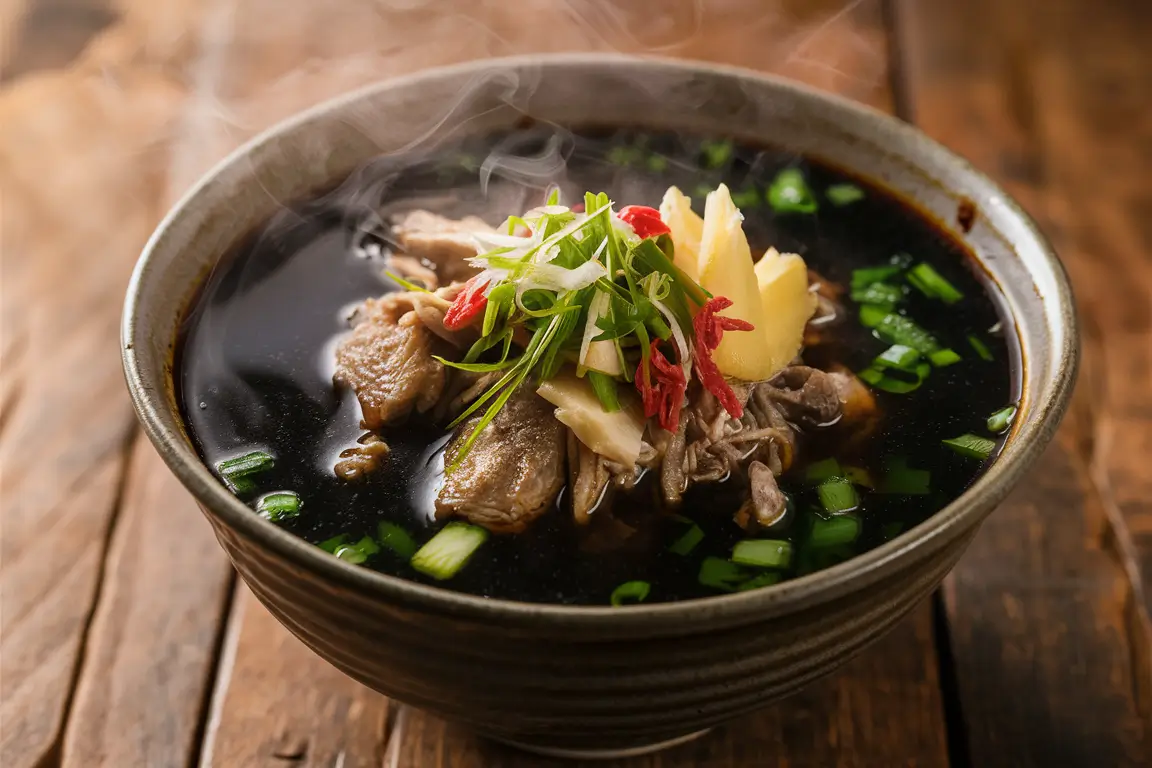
432,242
513,471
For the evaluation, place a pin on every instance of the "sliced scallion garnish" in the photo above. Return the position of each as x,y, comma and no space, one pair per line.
281,505
1002,419
837,495
656,163
789,193
944,357
396,539
843,194
972,446
747,198
445,554
898,329
898,370
237,471
356,553
763,553
688,541
721,574
981,348
630,592
871,315
330,545
932,284
605,388
834,531
862,278
716,154
880,294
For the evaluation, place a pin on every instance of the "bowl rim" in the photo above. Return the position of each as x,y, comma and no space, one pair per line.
1026,442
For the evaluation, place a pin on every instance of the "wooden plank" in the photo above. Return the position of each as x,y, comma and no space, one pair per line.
152,646
78,152
885,710
278,702
1052,639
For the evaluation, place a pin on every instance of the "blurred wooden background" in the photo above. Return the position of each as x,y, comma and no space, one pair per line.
126,641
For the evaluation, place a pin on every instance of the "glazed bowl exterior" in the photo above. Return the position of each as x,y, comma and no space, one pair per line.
582,679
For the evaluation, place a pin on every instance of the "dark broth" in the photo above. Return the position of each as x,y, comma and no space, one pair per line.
255,358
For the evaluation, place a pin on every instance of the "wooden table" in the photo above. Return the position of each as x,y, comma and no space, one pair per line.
126,640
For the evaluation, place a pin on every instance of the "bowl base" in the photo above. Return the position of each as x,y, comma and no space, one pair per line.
604,754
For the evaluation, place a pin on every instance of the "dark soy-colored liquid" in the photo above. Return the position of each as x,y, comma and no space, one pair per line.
255,362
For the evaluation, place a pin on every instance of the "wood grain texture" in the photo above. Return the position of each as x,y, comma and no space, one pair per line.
65,416
278,703
1062,621
152,647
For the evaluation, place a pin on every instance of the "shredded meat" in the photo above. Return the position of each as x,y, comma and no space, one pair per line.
431,241
362,458
766,504
513,471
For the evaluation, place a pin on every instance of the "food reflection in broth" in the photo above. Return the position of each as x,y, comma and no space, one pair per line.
775,468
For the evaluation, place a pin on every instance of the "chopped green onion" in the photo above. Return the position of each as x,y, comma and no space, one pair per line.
897,329
687,542
763,553
605,388
447,552
330,545
630,591
657,163
747,199
862,278
844,194
281,505
819,471
972,446
834,531
396,539
1002,419
237,471
871,315
789,193
766,579
837,495
624,155
701,192
944,357
898,356
356,553
716,153
721,574
981,348
859,476
880,294
932,284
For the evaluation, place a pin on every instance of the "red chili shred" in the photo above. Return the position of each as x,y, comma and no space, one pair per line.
709,330
662,388
645,221
469,303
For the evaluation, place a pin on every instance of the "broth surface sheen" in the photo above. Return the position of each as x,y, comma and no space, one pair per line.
255,359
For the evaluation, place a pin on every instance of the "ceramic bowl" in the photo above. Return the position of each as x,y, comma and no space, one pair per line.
589,680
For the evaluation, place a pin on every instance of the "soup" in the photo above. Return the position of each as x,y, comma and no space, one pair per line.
710,425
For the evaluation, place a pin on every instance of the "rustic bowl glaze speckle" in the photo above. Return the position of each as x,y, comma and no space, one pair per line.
586,680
